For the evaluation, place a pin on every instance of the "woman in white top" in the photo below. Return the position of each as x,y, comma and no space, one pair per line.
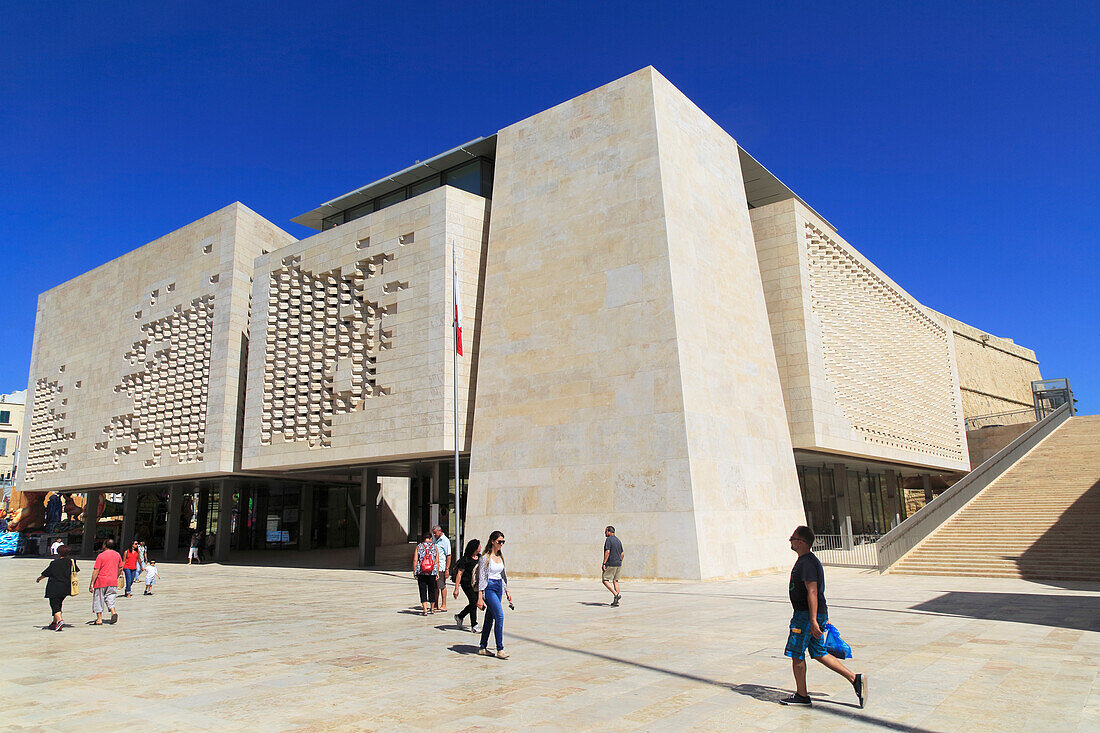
492,582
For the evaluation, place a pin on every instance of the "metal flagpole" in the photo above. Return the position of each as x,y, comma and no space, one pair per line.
454,354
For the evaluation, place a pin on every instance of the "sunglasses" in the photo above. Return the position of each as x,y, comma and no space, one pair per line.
501,542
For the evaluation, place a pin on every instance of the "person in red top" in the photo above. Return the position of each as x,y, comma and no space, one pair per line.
130,565
104,586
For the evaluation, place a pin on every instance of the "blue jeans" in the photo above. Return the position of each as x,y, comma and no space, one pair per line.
131,576
494,618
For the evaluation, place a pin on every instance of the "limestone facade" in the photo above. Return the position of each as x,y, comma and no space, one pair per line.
136,365
626,373
355,340
867,370
995,375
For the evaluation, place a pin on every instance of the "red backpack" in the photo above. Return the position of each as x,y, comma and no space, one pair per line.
427,563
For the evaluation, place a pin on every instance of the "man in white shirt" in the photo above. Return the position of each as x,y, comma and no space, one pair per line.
443,569
54,546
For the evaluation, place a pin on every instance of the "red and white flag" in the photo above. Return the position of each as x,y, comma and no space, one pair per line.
458,316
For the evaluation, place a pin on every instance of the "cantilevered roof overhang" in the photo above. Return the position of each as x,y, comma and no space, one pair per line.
481,147
761,186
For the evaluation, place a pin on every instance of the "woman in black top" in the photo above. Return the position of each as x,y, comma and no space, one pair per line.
464,578
58,584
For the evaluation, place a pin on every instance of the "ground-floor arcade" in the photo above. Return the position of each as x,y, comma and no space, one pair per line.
361,510
845,495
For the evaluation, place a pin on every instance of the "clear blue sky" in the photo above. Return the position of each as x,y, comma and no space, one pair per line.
955,144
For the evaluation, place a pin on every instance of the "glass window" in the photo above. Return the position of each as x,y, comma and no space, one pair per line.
358,211
424,186
467,177
5,417
3,446
391,198
331,221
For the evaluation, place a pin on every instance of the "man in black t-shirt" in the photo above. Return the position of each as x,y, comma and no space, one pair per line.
811,613
612,563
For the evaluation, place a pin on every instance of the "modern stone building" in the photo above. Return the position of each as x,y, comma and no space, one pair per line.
658,335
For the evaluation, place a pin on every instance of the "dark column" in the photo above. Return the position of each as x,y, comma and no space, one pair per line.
91,520
439,493
926,479
843,504
368,517
897,507
172,529
305,517
129,517
225,521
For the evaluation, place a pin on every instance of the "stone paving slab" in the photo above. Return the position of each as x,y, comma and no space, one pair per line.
299,649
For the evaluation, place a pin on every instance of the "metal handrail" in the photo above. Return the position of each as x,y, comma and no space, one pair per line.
972,422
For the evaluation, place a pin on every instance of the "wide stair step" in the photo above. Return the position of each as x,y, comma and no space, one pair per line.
1037,521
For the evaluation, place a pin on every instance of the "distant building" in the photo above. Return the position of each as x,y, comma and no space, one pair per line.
11,427
659,335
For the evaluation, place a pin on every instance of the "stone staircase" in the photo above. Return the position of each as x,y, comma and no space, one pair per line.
1038,521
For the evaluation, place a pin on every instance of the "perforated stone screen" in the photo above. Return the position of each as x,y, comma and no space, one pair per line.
888,362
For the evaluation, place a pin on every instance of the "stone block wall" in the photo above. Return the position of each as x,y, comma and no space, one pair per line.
354,336
136,365
626,373
995,375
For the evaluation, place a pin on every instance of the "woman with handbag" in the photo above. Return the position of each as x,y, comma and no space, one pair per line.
425,564
492,583
61,583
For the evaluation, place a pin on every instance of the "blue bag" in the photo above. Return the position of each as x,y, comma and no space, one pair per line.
835,645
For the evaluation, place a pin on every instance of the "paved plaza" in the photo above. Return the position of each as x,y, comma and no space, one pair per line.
284,648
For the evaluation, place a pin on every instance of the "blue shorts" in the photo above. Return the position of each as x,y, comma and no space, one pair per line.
801,638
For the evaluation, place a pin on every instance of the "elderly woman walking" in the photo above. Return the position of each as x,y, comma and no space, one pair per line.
60,577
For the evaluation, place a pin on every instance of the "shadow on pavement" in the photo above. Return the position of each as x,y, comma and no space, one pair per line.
463,648
758,692
1051,557
1058,611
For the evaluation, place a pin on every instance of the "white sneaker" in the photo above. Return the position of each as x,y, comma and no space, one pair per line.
476,629
458,622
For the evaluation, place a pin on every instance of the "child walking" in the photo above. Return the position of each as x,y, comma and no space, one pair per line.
151,575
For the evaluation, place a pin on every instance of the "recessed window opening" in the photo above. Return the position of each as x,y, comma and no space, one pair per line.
475,176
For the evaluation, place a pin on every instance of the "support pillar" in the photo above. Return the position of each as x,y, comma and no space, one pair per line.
893,491
305,518
129,518
172,529
225,521
368,517
926,479
438,513
843,504
91,521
